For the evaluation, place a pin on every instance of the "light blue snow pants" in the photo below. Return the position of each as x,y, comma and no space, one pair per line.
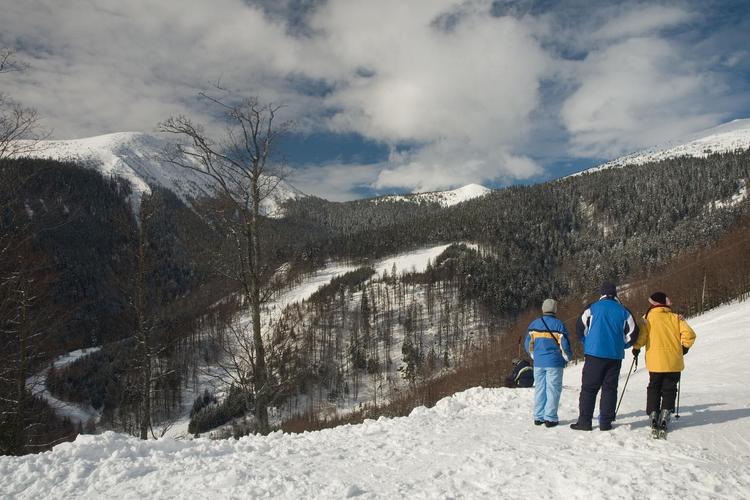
548,386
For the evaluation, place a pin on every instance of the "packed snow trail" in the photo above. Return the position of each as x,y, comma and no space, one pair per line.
37,385
480,443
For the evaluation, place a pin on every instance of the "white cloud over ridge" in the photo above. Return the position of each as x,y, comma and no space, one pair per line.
631,94
454,91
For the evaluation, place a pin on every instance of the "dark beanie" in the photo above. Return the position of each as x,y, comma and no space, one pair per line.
659,299
608,288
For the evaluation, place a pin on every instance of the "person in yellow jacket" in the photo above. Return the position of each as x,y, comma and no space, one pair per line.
667,338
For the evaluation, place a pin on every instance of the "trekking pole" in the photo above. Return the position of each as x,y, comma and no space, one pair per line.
630,370
677,412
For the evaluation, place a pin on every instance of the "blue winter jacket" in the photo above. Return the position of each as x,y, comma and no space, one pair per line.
606,328
548,345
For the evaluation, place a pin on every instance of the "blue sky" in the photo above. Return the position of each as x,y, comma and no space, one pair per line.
396,95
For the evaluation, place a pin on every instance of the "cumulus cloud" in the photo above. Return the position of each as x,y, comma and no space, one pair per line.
109,66
457,81
477,80
450,163
636,93
336,181
457,93
430,73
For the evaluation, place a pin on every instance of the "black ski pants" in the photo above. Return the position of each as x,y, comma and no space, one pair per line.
662,391
598,373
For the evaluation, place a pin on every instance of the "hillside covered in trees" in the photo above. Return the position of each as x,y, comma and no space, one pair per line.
558,237
78,238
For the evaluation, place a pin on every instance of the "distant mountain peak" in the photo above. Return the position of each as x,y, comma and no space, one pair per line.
444,198
134,156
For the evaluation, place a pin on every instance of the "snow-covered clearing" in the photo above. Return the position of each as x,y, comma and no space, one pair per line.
479,443
414,261
734,200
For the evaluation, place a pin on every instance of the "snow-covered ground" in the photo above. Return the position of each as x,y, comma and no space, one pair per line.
480,443
36,384
725,138
412,261
734,200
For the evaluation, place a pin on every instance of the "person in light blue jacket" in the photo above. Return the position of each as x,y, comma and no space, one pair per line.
548,345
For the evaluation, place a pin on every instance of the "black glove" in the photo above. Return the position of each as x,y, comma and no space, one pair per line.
685,350
636,352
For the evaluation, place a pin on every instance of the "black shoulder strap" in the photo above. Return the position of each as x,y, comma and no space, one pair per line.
550,331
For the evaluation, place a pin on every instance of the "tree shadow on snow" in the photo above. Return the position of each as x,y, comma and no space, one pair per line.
693,416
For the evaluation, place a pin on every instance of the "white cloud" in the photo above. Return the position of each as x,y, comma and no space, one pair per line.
335,182
112,66
128,65
633,94
641,20
464,93
447,163
457,91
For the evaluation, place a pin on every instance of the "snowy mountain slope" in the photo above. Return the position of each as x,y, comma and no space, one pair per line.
477,444
728,137
134,156
412,261
444,198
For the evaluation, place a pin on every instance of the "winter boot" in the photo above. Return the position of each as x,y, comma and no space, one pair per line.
580,426
664,417
654,424
661,429
654,419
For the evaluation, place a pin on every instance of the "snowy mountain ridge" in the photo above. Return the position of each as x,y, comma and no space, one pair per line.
444,198
728,137
134,156
480,443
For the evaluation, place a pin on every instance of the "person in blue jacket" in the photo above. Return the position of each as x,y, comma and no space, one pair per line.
606,328
548,345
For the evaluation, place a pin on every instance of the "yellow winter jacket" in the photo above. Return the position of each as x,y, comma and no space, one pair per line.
664,334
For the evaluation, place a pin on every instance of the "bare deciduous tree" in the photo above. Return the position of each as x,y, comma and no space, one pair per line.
239,165
17,293
18,124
